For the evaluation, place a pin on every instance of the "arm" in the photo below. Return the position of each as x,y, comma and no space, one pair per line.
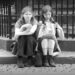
60,31
19,29
18,32
32,30
25,26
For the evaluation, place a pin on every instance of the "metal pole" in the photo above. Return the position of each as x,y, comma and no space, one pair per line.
9,18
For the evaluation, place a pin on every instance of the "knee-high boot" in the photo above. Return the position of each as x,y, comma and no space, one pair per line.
20,63
45,61
51,61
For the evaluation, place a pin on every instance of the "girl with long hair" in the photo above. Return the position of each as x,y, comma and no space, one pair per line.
47,35
25,29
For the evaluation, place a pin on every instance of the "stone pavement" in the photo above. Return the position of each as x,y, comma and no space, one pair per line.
63,65
60,68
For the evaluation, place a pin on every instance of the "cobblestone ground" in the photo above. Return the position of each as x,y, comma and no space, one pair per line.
12,68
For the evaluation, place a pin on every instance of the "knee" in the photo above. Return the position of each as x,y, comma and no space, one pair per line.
44,41
51,42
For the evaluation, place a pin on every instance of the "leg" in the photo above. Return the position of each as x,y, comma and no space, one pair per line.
51,45
56,42
31,43
44,45
20,63
51,48
20,51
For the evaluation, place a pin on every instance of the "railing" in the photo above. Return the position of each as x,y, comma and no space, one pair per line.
64,11
5,19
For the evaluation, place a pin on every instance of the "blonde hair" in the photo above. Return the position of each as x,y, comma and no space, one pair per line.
24,10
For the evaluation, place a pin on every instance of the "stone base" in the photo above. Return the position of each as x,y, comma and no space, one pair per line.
65,45
5,43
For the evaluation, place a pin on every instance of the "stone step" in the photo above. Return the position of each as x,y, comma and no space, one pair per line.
67,44
66,57
6,57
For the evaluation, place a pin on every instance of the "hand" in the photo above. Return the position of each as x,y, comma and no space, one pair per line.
56,23
25,26
40,23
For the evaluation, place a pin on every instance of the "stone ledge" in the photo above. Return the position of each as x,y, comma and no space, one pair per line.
5,43
66,57
6,57
66,44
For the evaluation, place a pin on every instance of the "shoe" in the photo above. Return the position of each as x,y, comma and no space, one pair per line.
20,63
27,65
45,61
29,62
51,61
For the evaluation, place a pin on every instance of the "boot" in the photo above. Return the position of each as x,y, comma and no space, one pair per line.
20,63
45,61
29,61
51,61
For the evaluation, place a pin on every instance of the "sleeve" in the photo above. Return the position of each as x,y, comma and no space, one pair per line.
18,24
17,27
33,29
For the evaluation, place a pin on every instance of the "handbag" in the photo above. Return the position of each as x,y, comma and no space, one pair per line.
14,48
38,57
